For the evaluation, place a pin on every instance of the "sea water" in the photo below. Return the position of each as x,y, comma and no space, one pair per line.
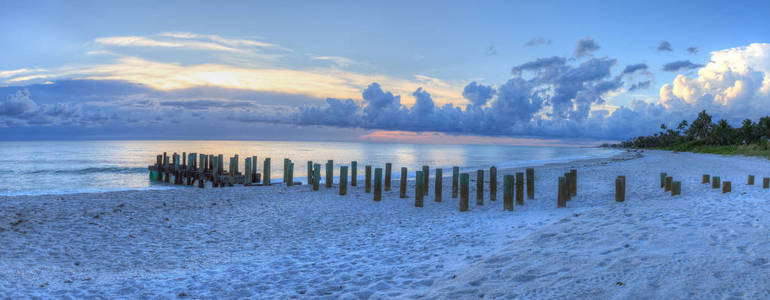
62,167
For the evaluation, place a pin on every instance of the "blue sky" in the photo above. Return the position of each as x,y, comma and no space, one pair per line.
285,58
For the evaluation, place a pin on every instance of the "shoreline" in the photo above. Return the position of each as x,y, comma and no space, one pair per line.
286,242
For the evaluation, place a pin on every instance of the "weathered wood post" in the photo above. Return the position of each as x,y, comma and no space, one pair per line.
426,178
377,184
567,183
387,176
715,183
573,183
530,183
508,192
343,180
726,187
247,170
290,174
663,179
309,172
402,185
353,173
676,188
316,176
418,189
706,179
561,200
455,179
368,179
667,185
519,188
266,171
493,183
285,170
464,187
620,189
765,182
329,173
254,177
751,180
480,187
438,185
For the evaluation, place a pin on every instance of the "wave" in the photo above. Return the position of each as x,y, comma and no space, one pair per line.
93,170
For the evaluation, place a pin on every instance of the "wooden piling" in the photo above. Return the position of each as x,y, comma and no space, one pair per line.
620,189
368,179
329,173
290,174
254,174
426,178
765,182
561,199
377,184
353,173
573,183
715,184
387,176
464,187
266,172
493,183
706,179
751,180
726,187
247,171
455,179
343,180
530,183
519,188
667,183
480,187
418,189
309,172
663,179
508,192
316,176
402,184
676,188
438,185
567,183
285,170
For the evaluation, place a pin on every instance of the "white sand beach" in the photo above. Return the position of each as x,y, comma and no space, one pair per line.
291,242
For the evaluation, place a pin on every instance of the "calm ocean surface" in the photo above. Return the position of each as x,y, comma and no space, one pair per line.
29,168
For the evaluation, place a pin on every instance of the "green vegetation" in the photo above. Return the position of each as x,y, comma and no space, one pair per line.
704,136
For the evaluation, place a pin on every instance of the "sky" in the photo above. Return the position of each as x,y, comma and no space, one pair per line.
419,71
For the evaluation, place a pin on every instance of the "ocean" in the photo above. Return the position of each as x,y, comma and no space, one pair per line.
65,167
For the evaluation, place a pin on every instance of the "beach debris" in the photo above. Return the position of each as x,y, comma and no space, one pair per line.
464,182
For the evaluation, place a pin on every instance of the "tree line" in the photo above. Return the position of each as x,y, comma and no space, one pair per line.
703,132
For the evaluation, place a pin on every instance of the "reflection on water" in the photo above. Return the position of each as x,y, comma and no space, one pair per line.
86,166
